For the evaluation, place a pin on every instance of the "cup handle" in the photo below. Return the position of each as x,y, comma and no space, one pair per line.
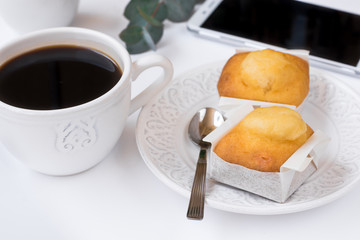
141,65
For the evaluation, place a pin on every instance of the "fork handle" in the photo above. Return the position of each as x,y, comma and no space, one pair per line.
197,197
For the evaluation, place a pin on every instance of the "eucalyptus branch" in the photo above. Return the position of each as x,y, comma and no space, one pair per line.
146,17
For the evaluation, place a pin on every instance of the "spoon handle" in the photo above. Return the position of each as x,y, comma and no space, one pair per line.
197,197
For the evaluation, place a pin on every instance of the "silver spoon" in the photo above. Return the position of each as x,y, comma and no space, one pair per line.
203,122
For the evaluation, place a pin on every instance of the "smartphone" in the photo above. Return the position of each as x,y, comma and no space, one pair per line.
332,36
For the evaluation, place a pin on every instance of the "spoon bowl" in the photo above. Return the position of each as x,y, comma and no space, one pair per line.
203,122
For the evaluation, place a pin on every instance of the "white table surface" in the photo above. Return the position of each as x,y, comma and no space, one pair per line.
121,199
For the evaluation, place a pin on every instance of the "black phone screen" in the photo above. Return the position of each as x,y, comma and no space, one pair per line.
325,32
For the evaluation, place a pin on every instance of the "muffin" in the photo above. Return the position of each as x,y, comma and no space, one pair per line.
264,139
265,75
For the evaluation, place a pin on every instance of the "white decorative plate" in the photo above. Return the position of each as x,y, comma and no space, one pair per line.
163,142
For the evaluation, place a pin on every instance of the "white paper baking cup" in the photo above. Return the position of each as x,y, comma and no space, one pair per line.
277,186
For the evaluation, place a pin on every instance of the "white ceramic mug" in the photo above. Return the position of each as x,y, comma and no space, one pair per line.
70,140
30,15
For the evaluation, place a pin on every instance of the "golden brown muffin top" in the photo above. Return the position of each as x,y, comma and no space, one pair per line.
276,123
265,75
264,139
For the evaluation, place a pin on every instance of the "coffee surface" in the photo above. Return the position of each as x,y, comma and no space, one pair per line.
57,77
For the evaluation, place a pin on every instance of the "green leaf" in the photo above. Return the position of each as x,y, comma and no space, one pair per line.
139,47
153,8
179,10
131,9
140,39
131,34
149,19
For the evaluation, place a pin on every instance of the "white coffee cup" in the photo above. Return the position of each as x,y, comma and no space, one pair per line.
70,140
30,15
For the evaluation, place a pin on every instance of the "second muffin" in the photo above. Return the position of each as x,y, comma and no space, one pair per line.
265,75
264,139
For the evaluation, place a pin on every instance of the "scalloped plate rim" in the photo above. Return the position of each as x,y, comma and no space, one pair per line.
285,209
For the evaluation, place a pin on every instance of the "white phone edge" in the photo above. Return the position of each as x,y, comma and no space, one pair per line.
204,11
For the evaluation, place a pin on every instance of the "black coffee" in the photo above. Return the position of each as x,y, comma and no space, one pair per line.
57,77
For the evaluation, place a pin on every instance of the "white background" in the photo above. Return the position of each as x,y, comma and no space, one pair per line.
121,199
